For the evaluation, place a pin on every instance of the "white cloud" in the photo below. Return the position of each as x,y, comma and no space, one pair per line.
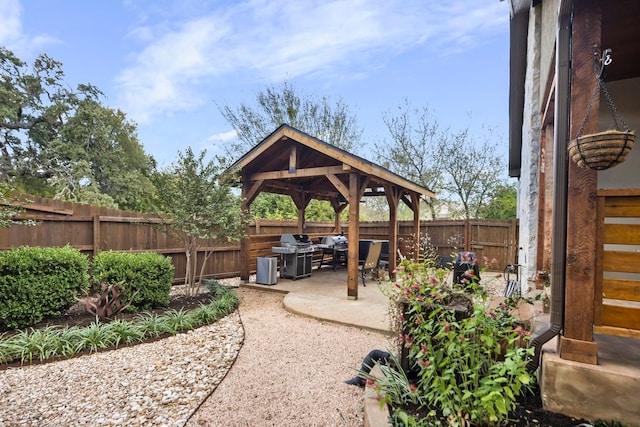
12,35
277,39
223,136
10,25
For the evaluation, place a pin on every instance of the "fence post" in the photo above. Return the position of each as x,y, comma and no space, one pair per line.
467,235
96,234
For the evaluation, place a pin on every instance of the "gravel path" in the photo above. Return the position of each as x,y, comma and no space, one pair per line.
289,372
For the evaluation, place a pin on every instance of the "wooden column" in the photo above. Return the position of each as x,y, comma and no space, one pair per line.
354,236
415,201
244,242
301,200
249,191
577,342
393,198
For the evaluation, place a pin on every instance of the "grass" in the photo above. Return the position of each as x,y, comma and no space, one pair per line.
53,341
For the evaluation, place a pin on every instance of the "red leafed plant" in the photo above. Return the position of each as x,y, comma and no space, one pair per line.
109,301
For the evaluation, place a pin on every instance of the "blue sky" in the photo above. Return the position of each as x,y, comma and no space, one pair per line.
169,64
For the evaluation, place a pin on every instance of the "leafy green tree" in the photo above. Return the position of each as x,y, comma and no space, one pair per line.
199,209
34,103
98,152
502,203
274,206
63,143
332,122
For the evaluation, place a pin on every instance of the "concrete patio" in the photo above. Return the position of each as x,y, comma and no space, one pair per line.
323,295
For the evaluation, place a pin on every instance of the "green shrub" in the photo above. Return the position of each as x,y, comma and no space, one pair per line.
39,282
150,274
468,370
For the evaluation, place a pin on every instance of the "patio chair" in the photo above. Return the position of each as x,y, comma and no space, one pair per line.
371,261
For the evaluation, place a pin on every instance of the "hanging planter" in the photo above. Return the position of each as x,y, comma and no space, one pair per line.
606,149
601,150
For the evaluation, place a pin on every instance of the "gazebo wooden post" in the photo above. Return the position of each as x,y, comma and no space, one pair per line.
301,200
577,342
354,236
245,241
337,208
393,199
415,202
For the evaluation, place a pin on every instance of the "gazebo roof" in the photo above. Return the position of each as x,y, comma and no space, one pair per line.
289,161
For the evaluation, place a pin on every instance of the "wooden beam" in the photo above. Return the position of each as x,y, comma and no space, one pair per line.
253,191
415,200
579,351
337,208
406,201
393,195
354,236
244,242
339,185
297,173
293,159
581,198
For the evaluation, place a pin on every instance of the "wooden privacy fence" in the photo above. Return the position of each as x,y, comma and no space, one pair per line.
92,229
617,299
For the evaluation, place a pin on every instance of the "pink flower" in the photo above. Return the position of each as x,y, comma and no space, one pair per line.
413,388
423,348
424,363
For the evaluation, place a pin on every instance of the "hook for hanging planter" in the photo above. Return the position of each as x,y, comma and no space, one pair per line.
602,150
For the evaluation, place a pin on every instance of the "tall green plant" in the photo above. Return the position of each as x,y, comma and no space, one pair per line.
199,208
466,370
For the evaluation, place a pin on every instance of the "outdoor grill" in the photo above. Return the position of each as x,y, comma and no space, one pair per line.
296,255
336,246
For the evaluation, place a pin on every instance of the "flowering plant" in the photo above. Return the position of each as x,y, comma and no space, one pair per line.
464,365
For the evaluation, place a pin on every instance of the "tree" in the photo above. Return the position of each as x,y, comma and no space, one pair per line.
473,170
502,203
414,152
460,170
63,143
33,104
199,208
331,122
98,152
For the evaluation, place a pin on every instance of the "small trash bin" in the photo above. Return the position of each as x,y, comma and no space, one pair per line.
267,270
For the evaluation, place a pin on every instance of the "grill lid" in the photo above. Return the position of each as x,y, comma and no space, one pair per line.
295,240
331,241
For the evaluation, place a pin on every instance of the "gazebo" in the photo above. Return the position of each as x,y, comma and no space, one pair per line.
291,162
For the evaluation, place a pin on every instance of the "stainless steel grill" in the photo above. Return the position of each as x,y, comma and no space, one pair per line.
336,246
296,255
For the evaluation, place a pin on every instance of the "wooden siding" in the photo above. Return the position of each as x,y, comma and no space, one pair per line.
617,309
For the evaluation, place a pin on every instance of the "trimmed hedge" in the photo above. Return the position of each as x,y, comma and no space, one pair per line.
150,274
39,282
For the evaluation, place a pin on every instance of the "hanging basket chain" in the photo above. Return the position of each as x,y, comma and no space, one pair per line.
605,155
599,64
